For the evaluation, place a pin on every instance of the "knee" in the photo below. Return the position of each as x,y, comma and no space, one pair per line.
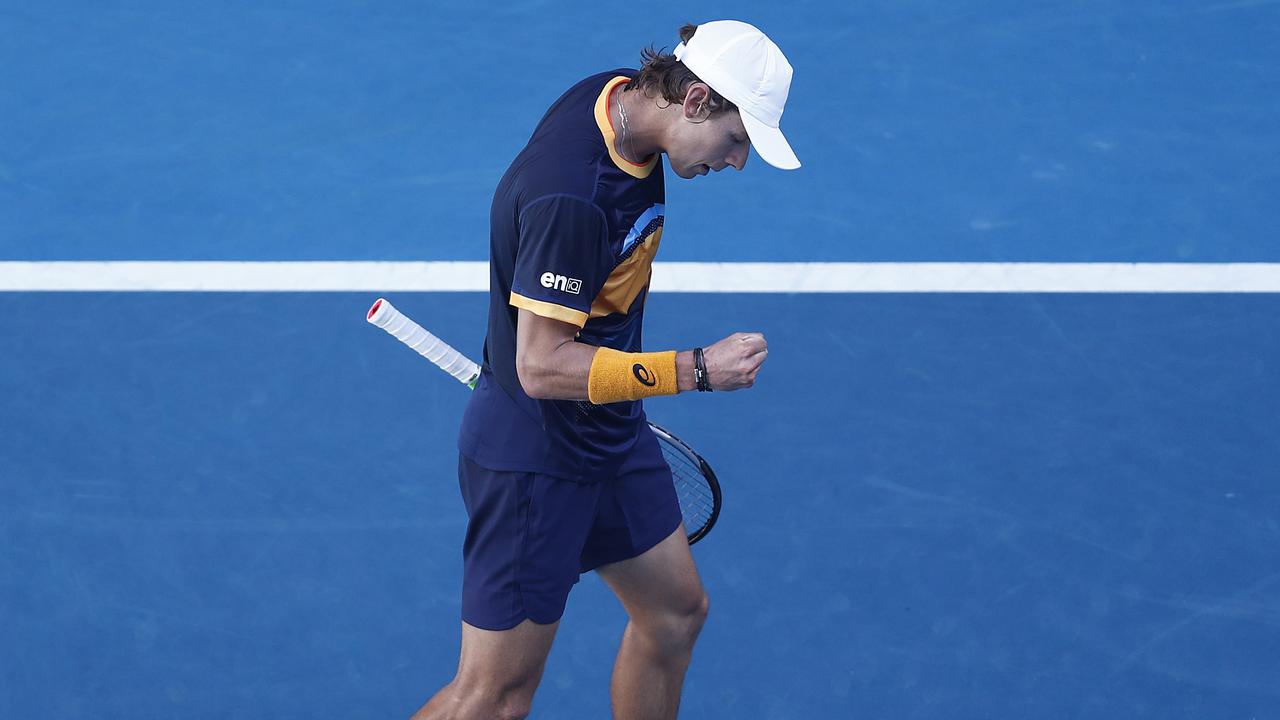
487,701
697,616
505,703
513,708
677,629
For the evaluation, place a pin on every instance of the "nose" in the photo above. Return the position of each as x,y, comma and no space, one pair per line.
738,157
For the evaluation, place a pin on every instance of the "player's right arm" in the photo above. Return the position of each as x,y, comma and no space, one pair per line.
551,365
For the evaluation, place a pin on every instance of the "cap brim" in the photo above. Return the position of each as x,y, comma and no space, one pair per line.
770,144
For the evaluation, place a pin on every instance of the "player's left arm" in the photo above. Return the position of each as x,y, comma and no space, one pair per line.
553,366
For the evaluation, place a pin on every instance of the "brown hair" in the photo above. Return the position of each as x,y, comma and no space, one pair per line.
662,74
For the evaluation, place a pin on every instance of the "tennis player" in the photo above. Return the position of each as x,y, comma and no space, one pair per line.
559,471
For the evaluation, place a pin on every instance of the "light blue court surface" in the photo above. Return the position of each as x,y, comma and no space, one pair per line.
235,505
1088,130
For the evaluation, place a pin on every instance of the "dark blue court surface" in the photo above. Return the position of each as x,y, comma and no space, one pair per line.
937,506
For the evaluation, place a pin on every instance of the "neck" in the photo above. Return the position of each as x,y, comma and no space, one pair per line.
634,139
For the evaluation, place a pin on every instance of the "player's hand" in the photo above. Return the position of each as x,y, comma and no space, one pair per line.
734,362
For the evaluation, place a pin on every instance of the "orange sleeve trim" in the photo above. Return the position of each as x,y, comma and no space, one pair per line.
549,310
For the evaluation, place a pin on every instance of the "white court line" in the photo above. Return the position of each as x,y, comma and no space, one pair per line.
744,277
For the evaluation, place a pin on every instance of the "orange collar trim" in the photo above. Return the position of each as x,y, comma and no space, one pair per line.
605,123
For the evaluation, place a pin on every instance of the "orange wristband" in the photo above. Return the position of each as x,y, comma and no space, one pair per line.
617,376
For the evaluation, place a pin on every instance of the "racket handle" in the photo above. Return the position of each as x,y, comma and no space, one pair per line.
386,316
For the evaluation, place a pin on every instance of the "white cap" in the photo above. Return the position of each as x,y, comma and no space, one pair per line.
742,64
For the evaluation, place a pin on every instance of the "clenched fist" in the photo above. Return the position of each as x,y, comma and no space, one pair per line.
732,363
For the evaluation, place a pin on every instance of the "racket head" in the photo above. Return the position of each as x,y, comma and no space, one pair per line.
696,484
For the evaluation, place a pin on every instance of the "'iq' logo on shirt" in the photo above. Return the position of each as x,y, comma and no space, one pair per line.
550,280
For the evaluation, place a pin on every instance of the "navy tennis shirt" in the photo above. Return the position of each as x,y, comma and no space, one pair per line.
573,231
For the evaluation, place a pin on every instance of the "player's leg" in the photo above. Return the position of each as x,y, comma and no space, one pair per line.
525,534
666,607
638,546
498,674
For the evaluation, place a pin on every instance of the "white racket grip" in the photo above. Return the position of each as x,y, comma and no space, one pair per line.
386,316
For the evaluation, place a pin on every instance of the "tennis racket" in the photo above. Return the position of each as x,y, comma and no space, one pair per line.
696,485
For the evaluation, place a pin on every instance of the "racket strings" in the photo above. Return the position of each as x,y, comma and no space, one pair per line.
697,503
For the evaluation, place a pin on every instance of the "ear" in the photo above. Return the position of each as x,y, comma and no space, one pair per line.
695,102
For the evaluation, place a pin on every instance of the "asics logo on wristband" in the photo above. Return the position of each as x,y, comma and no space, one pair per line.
643,375
552,281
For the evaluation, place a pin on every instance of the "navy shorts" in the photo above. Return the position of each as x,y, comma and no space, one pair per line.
530,536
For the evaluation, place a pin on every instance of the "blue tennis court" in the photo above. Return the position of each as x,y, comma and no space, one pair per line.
245,504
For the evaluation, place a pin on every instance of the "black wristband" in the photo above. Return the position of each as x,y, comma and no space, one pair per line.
700,377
